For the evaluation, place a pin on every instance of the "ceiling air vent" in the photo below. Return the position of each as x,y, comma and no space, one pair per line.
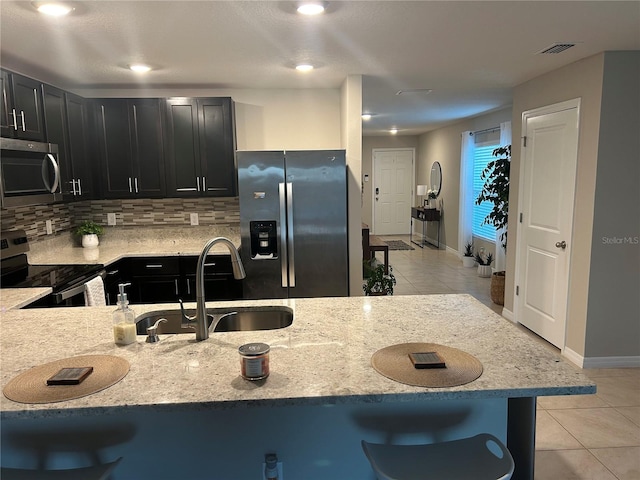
556,48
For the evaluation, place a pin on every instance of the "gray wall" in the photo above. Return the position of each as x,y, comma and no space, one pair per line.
444,145
603,307
613,315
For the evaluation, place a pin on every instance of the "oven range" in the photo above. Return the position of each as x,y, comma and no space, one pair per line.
67,281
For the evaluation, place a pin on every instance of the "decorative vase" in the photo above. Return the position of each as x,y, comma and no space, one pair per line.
90,241
497,288
468,262
484,271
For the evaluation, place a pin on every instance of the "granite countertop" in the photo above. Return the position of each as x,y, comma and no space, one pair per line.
115,245
322,358
143,242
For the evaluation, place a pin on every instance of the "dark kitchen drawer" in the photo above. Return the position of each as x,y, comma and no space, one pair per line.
145,266
215,265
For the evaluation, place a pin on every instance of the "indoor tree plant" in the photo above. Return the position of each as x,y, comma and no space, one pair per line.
496,191
89,231
376,282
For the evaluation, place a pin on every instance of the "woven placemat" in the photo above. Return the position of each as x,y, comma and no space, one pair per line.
393,362
31,386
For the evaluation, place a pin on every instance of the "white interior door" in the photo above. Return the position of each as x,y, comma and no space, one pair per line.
547,188
392,191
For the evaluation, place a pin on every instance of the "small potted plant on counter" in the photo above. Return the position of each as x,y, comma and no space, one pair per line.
90,231
376,281
468,259
484,264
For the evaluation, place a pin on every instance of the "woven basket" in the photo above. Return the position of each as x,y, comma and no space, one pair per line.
497,288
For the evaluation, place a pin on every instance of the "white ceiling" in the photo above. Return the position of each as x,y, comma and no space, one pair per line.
471,54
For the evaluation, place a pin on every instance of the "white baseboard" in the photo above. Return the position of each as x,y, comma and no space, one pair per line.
508,314
600,362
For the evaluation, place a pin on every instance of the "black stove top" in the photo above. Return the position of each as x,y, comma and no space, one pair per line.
55,276
15,270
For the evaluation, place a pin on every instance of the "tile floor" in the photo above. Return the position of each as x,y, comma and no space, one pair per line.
595,437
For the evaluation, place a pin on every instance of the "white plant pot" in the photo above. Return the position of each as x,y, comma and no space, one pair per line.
90,241
484,271
468,262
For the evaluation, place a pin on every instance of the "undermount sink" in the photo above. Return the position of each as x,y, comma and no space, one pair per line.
231,319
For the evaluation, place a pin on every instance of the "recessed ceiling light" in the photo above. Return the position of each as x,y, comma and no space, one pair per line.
311,8
393,131
53,9
304,67
367,116
139,68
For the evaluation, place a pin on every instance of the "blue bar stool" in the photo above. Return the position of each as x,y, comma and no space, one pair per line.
97,472
482,457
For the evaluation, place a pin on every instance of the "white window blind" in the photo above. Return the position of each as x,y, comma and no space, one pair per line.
482,155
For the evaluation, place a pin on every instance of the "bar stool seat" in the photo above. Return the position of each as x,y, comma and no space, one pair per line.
482,457
97,472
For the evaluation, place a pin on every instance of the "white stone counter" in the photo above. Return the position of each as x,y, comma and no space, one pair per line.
20,297
323,358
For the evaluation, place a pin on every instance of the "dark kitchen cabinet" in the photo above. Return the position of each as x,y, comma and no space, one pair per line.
117,273
219,283
155,279
66,125
81,159
200,147
22,112
131,148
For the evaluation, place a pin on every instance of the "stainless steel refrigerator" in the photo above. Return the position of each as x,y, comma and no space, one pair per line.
293,223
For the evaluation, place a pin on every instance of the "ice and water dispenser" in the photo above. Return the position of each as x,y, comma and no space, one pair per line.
264,238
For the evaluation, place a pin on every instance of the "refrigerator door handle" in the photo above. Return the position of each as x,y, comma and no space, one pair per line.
290,246
283,237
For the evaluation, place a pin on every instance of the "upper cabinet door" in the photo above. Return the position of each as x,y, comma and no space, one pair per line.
115,148
200,147
145,119
82,160
217,146
55,120
22,108
182,147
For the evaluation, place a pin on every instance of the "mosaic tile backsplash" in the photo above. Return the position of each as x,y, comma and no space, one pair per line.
222,212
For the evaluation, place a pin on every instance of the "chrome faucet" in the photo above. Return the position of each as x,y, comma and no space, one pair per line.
200,319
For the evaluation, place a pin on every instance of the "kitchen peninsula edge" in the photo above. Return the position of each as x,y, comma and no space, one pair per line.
320,365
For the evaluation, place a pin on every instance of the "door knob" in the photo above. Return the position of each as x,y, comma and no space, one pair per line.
561,244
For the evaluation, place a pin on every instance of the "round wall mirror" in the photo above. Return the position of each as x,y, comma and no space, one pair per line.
435,181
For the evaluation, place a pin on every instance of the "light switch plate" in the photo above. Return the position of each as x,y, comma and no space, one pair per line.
111,218
49,227
194,218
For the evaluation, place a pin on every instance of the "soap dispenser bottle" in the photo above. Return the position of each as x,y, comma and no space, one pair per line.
124,323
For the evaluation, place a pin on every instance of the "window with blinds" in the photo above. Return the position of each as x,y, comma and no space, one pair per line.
482,155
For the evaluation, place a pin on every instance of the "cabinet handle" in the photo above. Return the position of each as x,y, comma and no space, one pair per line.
15,119
130,189
187,189
188,286
73,186
198,182
24,125
153,265
176,283
113,272
79,188
135,181
204,185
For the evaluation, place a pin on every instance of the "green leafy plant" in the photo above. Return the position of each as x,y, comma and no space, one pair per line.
484,260
89,228
468,249
377,282
496,190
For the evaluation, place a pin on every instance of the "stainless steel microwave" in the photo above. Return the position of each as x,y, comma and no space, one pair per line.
29,173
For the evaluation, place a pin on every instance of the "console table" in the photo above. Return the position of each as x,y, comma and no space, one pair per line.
425,215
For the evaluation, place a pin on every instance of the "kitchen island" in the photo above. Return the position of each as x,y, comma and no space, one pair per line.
188,400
